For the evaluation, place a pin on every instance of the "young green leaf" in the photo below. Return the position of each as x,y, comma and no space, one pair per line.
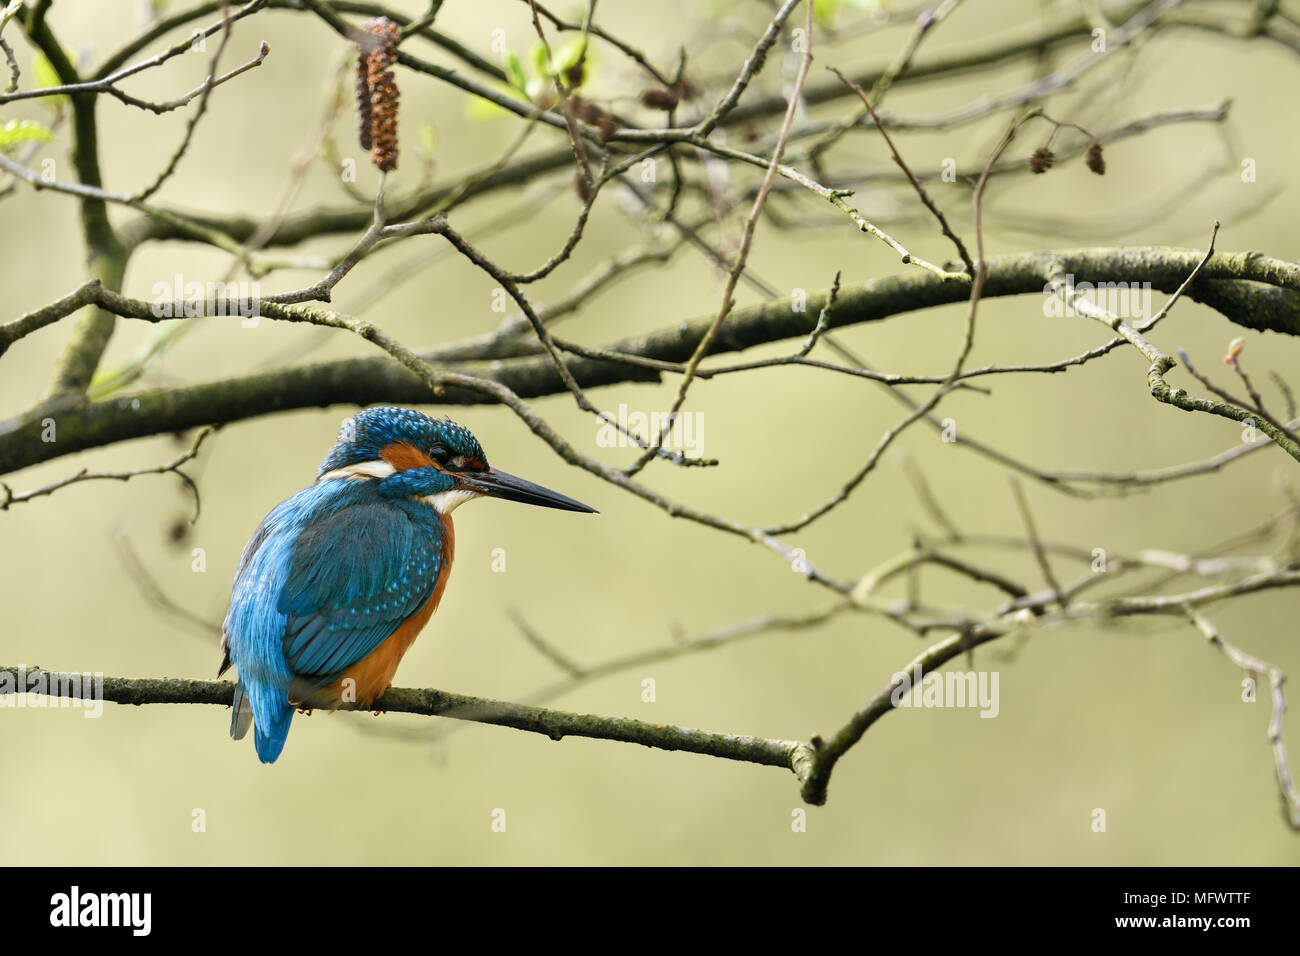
10,11
22,131
541,60
567,60
515,72
428,140
46,76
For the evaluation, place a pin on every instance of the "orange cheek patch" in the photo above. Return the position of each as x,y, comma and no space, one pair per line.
404,456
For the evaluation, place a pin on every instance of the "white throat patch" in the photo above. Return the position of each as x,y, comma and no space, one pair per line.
445,502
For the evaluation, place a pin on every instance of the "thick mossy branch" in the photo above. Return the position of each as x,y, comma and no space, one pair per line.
1251,290
104,251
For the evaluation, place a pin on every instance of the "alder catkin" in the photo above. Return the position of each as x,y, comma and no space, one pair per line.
377,94
658,98
363,100
1096,162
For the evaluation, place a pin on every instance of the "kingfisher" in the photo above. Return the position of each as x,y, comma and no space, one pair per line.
337,581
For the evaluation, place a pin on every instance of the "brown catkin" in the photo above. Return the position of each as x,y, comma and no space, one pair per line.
383,100
593,115
576,74
658,98
1096,162
377,94
582,187
1042,160
363,101
585,110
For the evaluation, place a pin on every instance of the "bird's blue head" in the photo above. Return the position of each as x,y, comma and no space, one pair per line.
411,455
387,433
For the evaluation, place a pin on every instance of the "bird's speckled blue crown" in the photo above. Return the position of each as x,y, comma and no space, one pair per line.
363,435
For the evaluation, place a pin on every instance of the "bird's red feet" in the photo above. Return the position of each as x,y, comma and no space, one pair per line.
386,690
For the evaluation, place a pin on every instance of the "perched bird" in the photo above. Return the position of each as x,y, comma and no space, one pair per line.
338,580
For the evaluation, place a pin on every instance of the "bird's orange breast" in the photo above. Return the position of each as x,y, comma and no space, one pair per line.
368,678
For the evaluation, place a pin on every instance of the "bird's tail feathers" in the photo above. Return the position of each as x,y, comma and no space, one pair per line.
241,718
268,710
269,735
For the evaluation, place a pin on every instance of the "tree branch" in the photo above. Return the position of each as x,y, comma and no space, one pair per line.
1251,290
555,724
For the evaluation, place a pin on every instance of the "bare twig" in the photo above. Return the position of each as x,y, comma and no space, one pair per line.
1258,668
85,474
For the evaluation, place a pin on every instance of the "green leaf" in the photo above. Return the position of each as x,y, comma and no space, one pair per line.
824,11
568,58
482,110
541,60
46,76
44,70
23,131
428,141
10,11
515,72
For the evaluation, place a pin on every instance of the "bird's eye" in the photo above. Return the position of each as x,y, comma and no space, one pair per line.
439,454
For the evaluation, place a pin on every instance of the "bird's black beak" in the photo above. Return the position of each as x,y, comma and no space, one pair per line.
500,484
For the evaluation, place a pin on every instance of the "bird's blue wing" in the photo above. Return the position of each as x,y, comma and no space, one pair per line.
355,574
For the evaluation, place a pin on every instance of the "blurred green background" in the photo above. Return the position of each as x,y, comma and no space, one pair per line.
1144,721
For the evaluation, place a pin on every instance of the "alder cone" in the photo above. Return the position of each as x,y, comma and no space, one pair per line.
383,129
364,119
659,99
1096,162
377,94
